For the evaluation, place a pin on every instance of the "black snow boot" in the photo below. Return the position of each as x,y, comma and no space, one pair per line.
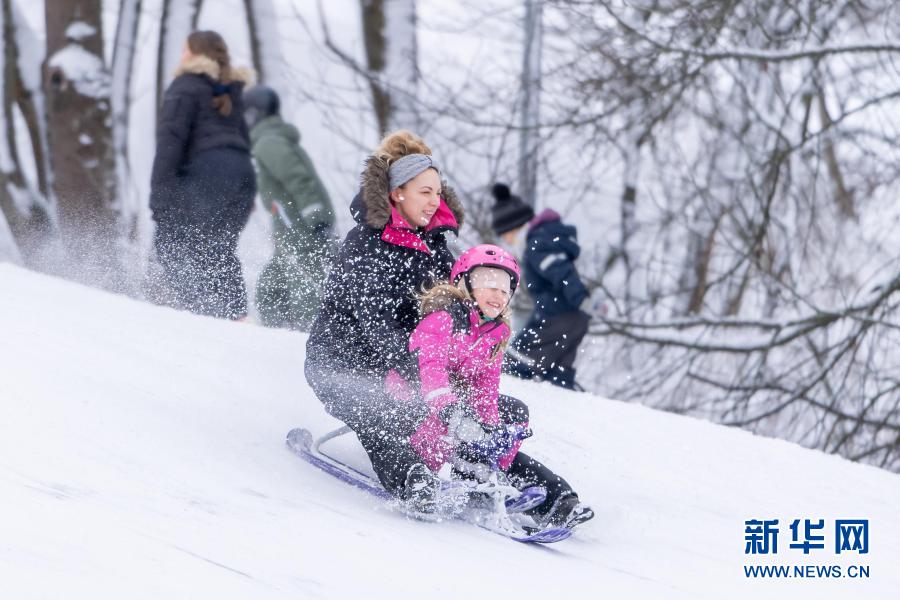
419,493
569,512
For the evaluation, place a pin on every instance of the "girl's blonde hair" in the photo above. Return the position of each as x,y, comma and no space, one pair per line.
398,144
441,295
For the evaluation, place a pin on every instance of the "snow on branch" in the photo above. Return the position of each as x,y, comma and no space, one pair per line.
83,69
79,30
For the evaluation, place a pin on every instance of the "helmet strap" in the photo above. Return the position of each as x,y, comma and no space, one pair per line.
472,295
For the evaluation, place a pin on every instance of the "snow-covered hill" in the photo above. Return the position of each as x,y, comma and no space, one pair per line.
142,456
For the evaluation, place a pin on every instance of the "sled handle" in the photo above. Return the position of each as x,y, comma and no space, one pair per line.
330,436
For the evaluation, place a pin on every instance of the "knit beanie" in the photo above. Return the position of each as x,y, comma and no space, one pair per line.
509,212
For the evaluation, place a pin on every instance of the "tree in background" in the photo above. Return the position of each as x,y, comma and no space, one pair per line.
179,19
25,204
529,138
124,51
391,64
77,86
75,185
755,278
733,168
389,33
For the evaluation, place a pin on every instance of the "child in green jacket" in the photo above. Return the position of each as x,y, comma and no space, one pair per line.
288,292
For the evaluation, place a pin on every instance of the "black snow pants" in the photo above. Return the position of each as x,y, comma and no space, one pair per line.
196,239
526,471
547,348
382,424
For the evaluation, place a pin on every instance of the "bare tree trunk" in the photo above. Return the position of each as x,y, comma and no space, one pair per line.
402,69
531,92
9,250
265,48
389,34
122,68
702,251
77,85
24,205
628,208
256,36
736,297
843,196
31,101
374,39
179,19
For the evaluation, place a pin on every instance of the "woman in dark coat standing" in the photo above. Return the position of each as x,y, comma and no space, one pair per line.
203,183
403,211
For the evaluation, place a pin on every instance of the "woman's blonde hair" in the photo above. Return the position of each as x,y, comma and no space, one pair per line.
441,295
398,144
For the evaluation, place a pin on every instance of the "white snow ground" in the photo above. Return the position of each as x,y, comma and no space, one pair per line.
142,456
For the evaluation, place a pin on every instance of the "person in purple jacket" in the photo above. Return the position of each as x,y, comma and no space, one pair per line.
471,430
547,346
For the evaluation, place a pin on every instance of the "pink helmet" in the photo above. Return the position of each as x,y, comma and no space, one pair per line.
486,255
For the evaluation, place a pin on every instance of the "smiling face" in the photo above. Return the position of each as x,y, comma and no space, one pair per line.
491,301
419,198
492,289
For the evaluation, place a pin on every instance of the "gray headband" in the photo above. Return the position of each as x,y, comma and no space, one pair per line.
408,167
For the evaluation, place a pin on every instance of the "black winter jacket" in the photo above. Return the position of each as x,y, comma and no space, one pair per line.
370,307
189,124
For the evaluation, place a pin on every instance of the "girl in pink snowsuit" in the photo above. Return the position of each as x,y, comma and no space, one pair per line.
459,344
460,352
471,426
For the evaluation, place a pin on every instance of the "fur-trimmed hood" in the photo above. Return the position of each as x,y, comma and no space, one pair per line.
199,64
373,206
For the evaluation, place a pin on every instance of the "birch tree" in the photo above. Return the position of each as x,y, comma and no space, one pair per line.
124,50
529,139
23,203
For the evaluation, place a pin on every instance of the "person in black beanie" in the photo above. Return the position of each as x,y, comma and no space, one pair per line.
546,347
510,213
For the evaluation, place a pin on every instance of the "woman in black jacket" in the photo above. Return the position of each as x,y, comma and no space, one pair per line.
203,183
361,333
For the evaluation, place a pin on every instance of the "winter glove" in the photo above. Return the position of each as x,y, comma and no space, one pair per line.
594,305
463,424
501,440
477,442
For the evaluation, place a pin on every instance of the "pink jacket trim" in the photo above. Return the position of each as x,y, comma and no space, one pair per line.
399,232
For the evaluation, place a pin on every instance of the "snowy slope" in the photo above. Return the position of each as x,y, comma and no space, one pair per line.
142,456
